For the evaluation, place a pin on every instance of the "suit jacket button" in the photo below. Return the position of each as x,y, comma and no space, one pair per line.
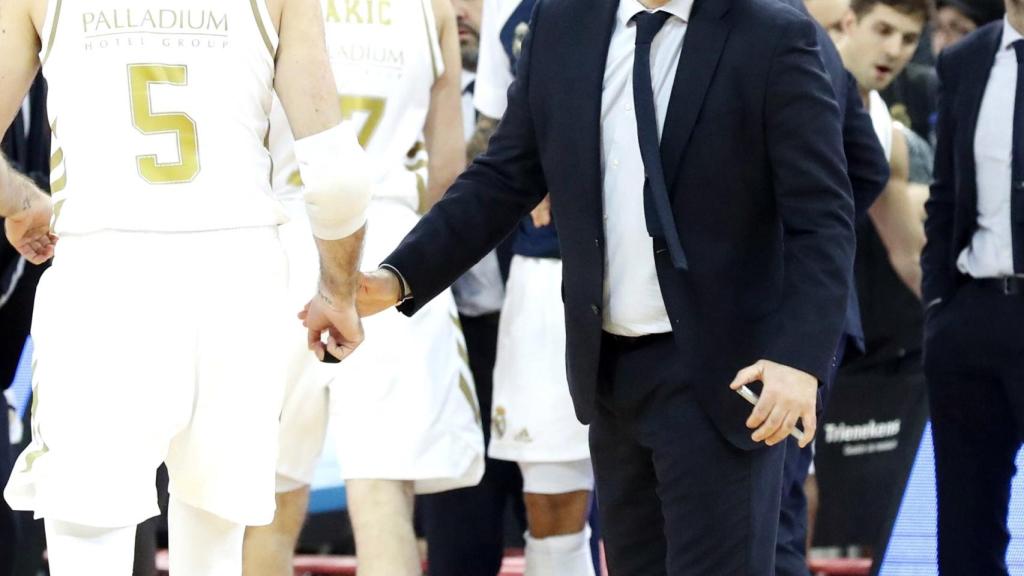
597,242
595,309
1018,185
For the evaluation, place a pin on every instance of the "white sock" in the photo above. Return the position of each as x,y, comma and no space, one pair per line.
75,549
567,555
201,543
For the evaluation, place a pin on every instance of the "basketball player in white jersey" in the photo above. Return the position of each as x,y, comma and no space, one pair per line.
157,327
532,421
403,412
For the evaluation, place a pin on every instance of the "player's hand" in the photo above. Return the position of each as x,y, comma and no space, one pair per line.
788,395
541,214
29,230
378,290
337,317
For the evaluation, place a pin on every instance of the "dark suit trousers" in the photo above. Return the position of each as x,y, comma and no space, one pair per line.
974,365
465,528
675,497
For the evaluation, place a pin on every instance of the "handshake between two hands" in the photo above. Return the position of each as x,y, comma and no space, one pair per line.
789,395
339,315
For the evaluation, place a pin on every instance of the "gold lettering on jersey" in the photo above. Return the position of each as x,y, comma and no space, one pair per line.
361,12
370,54
165,20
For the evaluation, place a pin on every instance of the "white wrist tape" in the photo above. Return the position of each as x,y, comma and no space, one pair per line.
337,181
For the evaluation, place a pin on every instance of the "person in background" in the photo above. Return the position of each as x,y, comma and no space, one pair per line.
465,528
868,169
876,40
955,19
974,292
403,414
876,47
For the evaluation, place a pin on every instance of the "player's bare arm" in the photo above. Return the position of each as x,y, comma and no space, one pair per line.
333,170
485,127
446,148
897,215
26,209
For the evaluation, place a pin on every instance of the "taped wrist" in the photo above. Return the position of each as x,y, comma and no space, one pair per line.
337,181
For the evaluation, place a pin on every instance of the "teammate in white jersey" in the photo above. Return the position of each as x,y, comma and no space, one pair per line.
403,411
157,327
532,421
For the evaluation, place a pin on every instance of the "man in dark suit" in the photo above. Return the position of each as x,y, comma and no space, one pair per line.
973,288
868,170
729,262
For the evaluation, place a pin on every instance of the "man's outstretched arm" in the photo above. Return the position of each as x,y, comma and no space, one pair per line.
26,209
483,206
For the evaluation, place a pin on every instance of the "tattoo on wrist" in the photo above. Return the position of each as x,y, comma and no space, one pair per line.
327,299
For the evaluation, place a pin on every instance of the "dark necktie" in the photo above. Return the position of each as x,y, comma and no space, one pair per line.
657,207
1017,166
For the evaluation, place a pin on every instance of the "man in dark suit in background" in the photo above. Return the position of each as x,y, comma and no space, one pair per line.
731,261
973,288
868,170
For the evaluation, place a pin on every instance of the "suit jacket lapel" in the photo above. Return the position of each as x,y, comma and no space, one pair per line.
586,54
706,34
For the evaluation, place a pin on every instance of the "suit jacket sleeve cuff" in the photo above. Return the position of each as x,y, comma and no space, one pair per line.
817,363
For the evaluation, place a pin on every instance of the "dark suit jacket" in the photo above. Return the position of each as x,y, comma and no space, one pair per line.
753,159
867,165
953,205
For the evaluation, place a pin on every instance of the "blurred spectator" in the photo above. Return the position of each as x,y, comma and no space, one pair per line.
955,19
465,528
877,40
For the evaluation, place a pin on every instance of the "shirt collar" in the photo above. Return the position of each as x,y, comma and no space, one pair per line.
1010,34
678,8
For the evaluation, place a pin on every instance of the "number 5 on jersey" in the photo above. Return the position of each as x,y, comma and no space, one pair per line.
141,77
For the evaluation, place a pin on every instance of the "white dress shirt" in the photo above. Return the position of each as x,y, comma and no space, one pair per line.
468,109
990,253
881,121
26,114
493,67
633,305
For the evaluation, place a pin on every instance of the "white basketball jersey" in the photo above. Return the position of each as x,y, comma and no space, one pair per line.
385,55
159,110
881,120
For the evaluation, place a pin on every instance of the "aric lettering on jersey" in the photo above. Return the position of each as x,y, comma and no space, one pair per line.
360,12
128,20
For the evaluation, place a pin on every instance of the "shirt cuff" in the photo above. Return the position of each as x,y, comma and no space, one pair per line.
405,290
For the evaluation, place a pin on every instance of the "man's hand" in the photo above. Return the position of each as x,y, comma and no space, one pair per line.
28,230
788,395
378,290
339,319
542,213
